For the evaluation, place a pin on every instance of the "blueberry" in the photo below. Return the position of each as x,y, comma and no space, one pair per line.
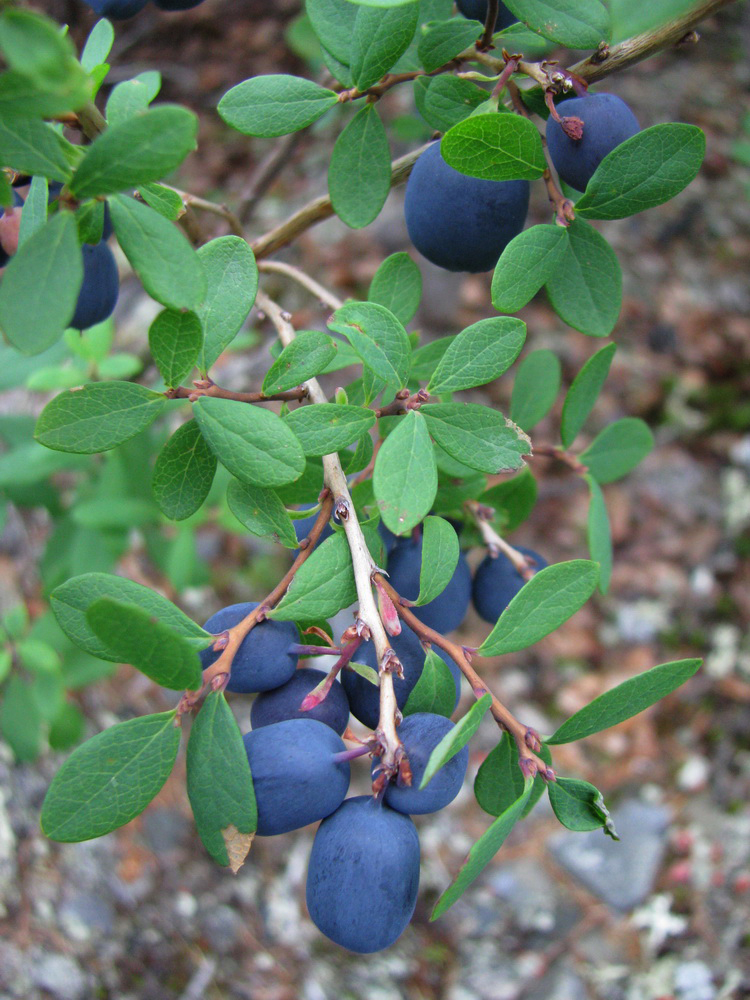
284,702
118,10
446,612
101,286
263,660
177,4
476,10
497,581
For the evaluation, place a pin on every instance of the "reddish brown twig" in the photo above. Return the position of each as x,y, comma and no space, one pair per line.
207,387
552,451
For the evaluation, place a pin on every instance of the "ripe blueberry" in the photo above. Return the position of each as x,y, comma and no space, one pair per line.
476,10
446,612
497,581
284,702
101,286
263,660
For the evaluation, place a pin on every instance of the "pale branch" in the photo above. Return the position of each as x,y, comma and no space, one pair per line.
363,565
496,543
212,207
92,121
295,274
207,387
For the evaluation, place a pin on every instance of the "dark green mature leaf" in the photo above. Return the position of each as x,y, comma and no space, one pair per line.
354,460
617,449
333,23
495,147
379,40
232,275
163,200
442,40
383,4
405,474
435,691
444,101
254,444
97,417
34,214
457,738
440,551
40,286
275,104
626,700
160,254
579,24
21,719
328,427
583,393
222,808
131,97
547,600
140,639
645,170
535,388
184,472
599,534
478,436
307,356
359,174
479,354
500,781
111,778
525,265
513,501
175,339
397,285
378,338
322,586
32,147
580,806
586,287
483,851
262,513
136,150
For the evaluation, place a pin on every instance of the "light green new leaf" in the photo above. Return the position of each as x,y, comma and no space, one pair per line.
378,338
40,286
322,586
20,718
535,388
405,474
549,598
617,449
382,4
160,253
495,147
222,809
585,288
262,513
599,534
163,200
442,40
328,427
232,275
583,393
513,500
175,339
444,101
626,700
580,806
477,436
132,96
479,354
97,417
525,265
380,39
32,147
275,104
440,551
644,171
397,285
183,473
255,445
500,781
456,739
34,213
307,356
359,174
435,691
111,778
98,45
578,24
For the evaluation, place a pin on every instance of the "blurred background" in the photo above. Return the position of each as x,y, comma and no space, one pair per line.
143,914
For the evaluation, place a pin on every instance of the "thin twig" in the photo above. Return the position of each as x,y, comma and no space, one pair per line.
206,387
266,173
212,207
496,543
321,293
552,451
485,42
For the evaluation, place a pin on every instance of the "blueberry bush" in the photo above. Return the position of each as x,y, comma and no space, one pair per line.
377,487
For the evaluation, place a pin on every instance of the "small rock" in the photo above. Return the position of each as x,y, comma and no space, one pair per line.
164,829
87,915
694,774
694,981
222,927
60,976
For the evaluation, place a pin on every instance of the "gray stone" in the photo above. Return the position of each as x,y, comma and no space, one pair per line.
621,873
694,981
559,984
222,927
87,915
60,976
164,829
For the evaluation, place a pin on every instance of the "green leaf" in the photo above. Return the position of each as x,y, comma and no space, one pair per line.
72,599
500,781
160,254
444,101
322,586
111,778
163,200
40,286
645,170
442,40
135,637
222,809
97,417
379,40
425,359
483,851
586,287
32,147
617,449
626,700
525,265
355,461
495,147
275,104
254,444
359,175
599,534
34,213
580,806
456,739
328,427
578,24
175,339
110,512
21,720
67,727
262,513
405,474
535,388
307,356
34,45
333,22
547,600
440,552
478,436
382,4
89,220
98,45
131,97
479,354
378,338
397,285
136,150
184,472
232,274
583,393
435,691
513,501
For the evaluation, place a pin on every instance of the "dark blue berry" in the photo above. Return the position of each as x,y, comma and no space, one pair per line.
284,702
263,660
497,581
